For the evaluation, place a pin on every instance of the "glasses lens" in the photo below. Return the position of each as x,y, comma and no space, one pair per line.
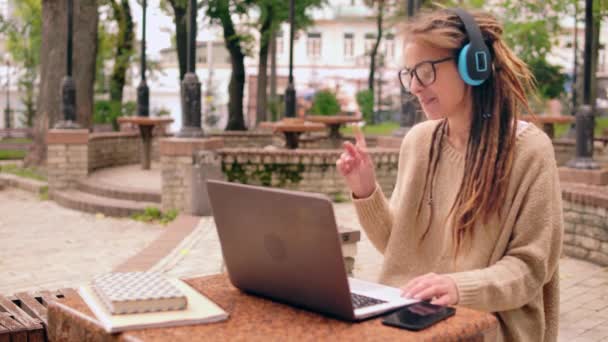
425,73
406,79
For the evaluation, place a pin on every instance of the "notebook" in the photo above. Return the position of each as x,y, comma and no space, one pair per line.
138,292
199,309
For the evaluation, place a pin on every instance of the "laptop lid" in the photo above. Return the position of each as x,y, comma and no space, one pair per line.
283,245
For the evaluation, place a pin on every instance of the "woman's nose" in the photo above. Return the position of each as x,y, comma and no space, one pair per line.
415,86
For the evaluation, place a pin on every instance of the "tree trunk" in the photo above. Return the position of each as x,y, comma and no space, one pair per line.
374,52
124,48
181,35
262,96
236,121
85,58
53,67
273,73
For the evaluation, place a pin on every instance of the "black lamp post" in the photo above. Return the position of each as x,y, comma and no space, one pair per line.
7,110
143,93
290,92
191,87
585,118
68,88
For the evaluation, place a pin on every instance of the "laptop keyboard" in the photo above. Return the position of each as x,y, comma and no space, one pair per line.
360,301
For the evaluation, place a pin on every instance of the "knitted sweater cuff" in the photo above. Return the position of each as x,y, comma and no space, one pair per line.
368,208
468,284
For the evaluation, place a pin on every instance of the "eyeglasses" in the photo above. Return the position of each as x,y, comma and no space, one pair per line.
424,72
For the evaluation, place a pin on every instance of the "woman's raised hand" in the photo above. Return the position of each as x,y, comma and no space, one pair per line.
356,166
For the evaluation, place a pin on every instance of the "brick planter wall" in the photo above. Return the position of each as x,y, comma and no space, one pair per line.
116,149
246,138
177,160
303,170
586,222
67,157
565,151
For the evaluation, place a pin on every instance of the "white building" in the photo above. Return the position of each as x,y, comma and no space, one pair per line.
332,53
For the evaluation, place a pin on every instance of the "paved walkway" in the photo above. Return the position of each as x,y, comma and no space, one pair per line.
44,246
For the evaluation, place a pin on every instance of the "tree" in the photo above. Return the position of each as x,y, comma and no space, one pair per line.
124,48
221,11
380,8
180,11
272,14
53,68
24,46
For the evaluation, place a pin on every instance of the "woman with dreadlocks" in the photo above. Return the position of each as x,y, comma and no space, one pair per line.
475,218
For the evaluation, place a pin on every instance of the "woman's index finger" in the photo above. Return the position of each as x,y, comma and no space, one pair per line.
359,137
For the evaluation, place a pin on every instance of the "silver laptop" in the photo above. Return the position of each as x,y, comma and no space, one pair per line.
284,245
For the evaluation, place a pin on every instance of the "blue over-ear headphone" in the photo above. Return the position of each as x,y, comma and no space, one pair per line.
474,59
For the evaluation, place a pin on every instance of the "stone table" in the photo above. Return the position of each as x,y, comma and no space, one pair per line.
256,319
333,123
146,125
293,127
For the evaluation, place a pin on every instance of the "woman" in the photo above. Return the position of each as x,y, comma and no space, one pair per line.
475,218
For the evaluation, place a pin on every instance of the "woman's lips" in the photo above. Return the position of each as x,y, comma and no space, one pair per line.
427,101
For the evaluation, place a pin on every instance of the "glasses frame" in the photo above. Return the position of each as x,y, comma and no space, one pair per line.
413,73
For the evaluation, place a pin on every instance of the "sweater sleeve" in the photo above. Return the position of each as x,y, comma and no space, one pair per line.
376,217
376,212
532,255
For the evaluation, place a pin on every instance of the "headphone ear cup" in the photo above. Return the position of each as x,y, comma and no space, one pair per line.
463,68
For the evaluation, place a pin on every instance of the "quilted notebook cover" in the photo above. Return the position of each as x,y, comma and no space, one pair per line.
138,292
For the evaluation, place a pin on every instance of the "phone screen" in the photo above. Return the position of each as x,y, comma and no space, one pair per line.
418,316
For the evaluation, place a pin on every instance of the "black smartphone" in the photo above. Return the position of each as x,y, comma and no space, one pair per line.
418,316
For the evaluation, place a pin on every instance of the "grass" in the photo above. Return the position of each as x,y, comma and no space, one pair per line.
600,125
16,141
152,214
12,154
383,128
44,193
23,172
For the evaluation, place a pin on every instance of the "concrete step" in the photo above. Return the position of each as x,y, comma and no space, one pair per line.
98,188
82,201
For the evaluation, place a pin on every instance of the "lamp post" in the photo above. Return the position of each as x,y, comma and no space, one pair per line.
143,93
191,87
68,88
290,91
7,110
585,118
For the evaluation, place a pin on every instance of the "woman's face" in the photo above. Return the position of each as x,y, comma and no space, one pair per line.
442,93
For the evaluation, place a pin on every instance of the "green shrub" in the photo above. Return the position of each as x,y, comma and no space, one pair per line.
325,103
365,100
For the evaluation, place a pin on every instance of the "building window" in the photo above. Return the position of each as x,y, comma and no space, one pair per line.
279,41
390,45
349,45
370,40
313,45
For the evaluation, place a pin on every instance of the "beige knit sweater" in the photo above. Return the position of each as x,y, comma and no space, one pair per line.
510,267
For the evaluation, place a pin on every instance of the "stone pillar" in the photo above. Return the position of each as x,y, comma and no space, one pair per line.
67,157
177,162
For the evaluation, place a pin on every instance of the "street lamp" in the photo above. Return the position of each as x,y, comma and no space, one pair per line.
68,89
191,87
7,110
143,93
290,92
585,118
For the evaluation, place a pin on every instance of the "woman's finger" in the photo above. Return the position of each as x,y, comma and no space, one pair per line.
443,300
